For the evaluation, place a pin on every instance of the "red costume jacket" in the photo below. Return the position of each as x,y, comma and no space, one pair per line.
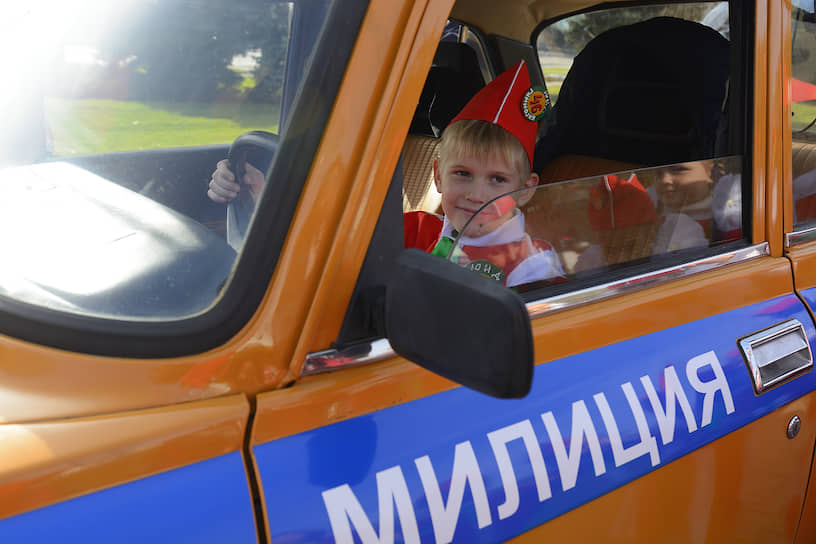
498,261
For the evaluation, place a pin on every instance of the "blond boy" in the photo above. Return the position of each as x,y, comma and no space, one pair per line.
486,152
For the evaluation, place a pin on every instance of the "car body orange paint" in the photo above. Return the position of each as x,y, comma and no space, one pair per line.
72,423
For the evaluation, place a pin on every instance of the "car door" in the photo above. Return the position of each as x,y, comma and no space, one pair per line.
650,417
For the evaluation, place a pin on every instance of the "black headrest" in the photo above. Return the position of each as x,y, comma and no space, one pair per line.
649,93
452,80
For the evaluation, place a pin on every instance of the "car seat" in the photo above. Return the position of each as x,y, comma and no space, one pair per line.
803,162
648,93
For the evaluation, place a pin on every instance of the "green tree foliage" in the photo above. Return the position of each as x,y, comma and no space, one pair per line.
571,34
183,50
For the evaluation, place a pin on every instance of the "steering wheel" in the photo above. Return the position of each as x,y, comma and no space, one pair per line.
257,148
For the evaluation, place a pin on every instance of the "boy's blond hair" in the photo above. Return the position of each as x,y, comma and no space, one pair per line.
476,138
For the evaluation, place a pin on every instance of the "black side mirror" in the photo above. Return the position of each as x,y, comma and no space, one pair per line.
460,325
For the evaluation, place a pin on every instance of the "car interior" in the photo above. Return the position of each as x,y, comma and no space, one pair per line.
632,99
645,91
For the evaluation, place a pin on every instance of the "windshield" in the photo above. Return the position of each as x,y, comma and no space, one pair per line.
100,76
115,116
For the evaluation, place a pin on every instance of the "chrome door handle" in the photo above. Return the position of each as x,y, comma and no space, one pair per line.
776,354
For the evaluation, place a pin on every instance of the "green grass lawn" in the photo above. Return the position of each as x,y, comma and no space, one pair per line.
554,76
85,126
803,114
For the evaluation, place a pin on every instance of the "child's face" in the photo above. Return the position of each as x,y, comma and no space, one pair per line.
682,184
468,182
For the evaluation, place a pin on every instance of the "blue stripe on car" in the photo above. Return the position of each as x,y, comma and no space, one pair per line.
391,473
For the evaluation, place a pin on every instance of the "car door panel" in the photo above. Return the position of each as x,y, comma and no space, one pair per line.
803,258
803,261
137,473
722,492
459,464
806,531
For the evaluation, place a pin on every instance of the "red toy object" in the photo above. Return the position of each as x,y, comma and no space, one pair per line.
616,203
502,102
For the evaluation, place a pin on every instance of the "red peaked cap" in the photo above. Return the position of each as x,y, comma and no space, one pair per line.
619,202
500,103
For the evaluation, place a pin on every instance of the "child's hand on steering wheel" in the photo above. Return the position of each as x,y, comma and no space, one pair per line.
223,188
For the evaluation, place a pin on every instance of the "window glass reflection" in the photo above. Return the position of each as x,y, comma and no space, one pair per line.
593,224
803,109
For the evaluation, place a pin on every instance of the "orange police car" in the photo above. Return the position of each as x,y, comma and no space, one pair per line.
278,368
